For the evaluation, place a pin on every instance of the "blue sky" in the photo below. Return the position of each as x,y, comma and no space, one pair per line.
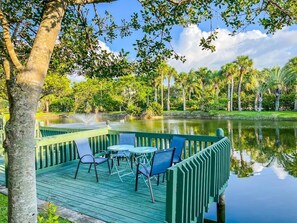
265,50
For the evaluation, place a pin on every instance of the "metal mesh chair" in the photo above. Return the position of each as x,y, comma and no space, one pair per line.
161,161
86,156
178,143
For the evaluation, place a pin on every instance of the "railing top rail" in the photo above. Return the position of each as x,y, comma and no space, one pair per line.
206,150
62,129
70,136
169,135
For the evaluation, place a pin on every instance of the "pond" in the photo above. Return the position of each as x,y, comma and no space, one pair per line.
263,183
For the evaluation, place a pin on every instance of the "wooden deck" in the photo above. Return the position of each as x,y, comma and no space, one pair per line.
109,200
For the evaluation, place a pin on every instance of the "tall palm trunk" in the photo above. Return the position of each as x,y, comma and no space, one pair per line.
202,96
168,94
295,104
156,93
184,99
231,94
162,91
239,91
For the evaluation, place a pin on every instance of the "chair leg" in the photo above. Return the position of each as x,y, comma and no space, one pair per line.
158,180
90,168
163,177
118,161
108,167
77,170
96,172
131,160
151,189
136,180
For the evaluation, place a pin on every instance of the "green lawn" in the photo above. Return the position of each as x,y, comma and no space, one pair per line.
248,115
3,210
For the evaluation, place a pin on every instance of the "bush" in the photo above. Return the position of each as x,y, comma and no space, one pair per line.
155,108
51,216
133,110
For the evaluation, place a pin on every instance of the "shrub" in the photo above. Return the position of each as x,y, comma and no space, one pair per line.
51,216
155,108
133,110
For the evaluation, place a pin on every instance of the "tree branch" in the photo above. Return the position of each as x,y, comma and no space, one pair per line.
177,2
273,3
82,2
8,43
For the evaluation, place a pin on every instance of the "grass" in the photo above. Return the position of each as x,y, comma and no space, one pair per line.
4,209
248,115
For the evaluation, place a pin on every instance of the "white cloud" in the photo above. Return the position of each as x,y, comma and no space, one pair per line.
265,50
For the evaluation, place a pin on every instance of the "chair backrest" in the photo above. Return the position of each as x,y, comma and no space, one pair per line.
83,149
127,139
162,160
178,143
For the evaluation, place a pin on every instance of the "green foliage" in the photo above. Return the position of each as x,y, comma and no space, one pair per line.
134,110
3,208
51,216
155,108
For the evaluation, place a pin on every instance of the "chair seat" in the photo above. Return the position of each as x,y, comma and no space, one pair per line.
145,170
89,159
99,160
120,154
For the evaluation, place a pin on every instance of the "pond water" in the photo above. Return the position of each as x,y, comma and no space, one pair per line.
263,183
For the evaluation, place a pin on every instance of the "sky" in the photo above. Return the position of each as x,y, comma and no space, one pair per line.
265,50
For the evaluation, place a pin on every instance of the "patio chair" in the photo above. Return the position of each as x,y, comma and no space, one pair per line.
178,143
86,156
161,161
125,139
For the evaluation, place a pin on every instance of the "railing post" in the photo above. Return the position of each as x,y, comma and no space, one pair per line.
220,132
221,209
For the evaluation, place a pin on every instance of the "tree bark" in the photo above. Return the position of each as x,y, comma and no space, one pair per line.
295,104
162,91
168,94
184,99
239,92
231,96
20,147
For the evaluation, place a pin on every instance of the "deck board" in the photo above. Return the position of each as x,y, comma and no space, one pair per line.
109,200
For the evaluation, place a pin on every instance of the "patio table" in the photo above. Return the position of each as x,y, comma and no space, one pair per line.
141,153
115,170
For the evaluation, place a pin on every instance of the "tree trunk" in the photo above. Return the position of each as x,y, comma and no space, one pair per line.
229,97
47,106
239,92
202,99
156,94
162,93
256,102
231,94
168,95
20,147
277,103
295,104
184,99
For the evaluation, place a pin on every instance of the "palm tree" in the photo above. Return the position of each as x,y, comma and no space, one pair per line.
280,78
245,64
292,64
203,76
162,70
182,79
171,73
230,70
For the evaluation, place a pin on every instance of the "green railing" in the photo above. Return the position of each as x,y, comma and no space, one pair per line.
58,150
45,131
196,182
